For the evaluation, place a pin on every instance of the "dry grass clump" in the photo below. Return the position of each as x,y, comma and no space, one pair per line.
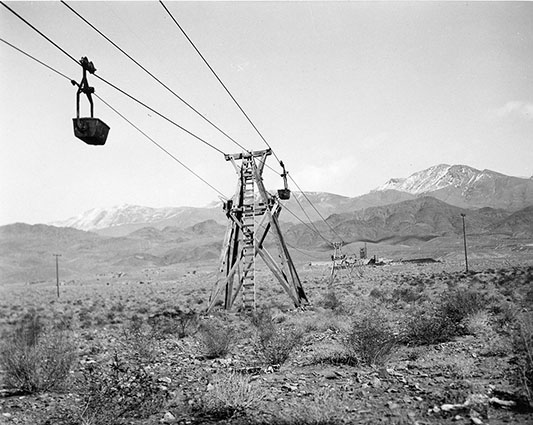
231,394
370,340
36,357
216,338
174,322
138,341
523,346
478,323
460,304
331,301
275,342
446,320
326,407
117,391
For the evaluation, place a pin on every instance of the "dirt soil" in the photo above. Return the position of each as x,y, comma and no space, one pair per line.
471,378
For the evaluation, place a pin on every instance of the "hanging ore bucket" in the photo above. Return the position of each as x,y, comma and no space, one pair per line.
92,131
284,194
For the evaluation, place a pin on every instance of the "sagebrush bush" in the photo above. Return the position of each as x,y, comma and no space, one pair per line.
216,338
331,301
138,341
523,347
116,391
370,340
35,358
276,343
327,407
427,328
460,304
178,323
231,394
444,321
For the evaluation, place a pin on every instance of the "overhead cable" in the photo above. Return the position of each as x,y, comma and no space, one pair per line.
122,116
153,76
39,32
239,106
125,93
217,77
316,209
306,225
305,212
162,148
35,59
116,87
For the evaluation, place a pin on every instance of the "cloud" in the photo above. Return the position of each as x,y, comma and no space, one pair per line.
515,107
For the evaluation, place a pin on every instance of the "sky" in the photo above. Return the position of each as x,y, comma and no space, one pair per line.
348,95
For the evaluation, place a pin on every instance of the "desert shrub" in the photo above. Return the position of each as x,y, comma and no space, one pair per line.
378,294
523,348
407,295
231,394
478,323
370,340
216,338
326,407
177,322
427,328
138,341
458,305
446,320
331,301
276,343
114,392
35,358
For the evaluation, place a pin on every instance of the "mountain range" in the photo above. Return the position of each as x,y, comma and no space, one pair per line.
457,185
467,187
416,211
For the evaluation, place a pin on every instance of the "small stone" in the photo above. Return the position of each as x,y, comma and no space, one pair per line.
166,380
376,382
458,418
7,415
392,405
329,374
476,421
502,403
447,407
168,418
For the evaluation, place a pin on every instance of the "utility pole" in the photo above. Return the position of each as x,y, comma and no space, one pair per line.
464,239
57,272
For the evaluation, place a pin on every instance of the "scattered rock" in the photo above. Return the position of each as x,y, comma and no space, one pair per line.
166,380
168,418
330,374
502,403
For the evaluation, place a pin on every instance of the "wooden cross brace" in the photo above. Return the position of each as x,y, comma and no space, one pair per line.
252,214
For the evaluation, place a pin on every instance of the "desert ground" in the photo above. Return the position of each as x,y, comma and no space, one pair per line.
398,343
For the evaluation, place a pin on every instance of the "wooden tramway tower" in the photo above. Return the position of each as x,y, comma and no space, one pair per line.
252,213
341,261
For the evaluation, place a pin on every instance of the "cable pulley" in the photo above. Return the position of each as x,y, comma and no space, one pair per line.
92,131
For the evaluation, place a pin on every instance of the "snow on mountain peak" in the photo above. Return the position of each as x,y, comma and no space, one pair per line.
435,178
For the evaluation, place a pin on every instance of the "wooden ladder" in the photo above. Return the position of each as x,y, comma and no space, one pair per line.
248,235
